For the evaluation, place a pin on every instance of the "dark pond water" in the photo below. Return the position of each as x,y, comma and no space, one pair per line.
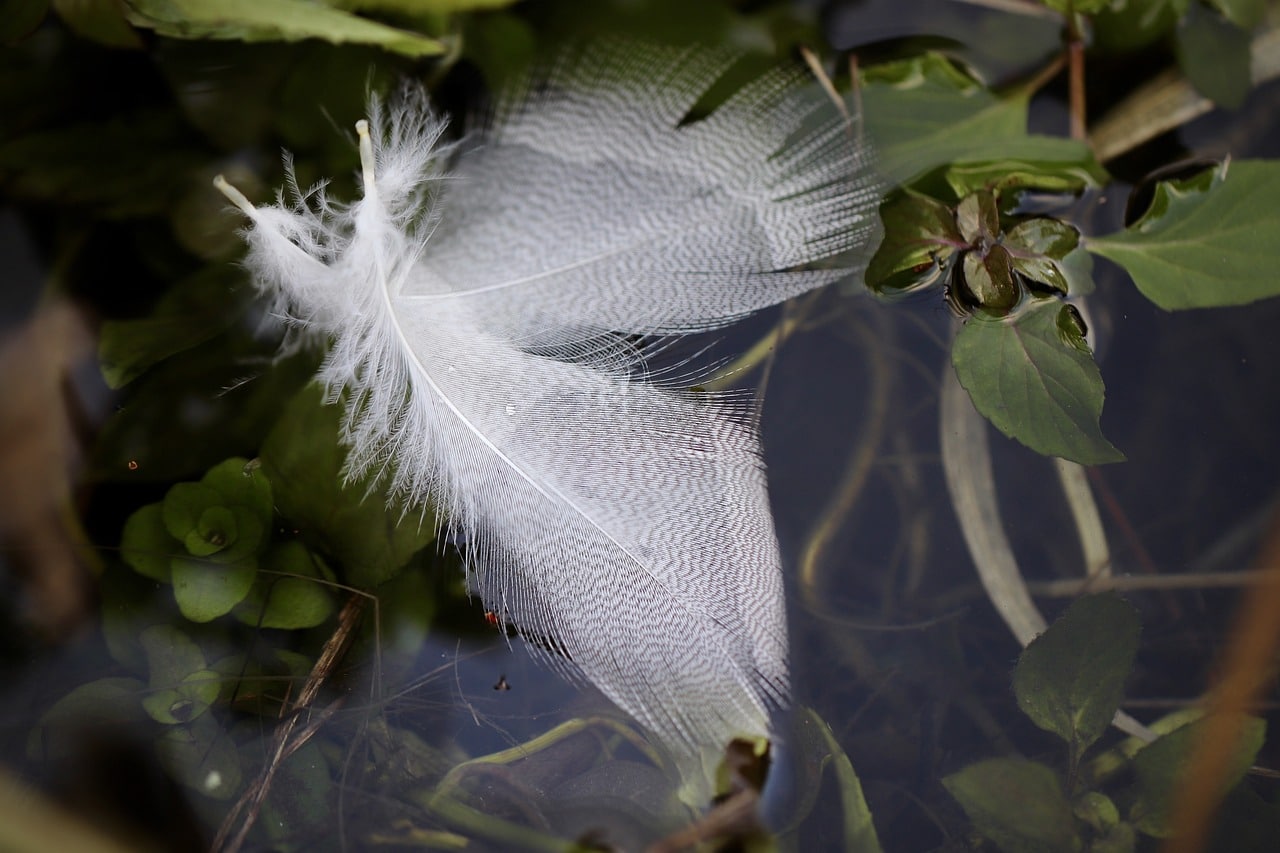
894,644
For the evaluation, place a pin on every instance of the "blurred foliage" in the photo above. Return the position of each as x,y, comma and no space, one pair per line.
242,538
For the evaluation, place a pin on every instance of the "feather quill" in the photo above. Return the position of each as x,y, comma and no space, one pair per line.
477,302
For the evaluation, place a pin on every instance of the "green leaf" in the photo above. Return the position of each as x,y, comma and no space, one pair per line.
1017,804
98,704
146,544
1070,679
241,482
1133,24
420,7
206,590
819,741
192,312
924,113
202,756
1081,7
919,236
1215,55
977,216
1202,248
1032,375
304,460
1069,176
19,18
127,167
1161,769
273,20
1048,253
988,280
287,602
1246,14
101,21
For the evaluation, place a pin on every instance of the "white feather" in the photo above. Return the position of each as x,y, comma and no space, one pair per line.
475,316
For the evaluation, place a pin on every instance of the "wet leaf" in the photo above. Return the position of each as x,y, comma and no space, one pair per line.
278,601
146,544
988,280
99,704
1011,174
192,311
1018,804
1032,375
273,20
924,113
977,216
202,756
859,829
206,590
1161,769
1199,247
1215,55
920,234
1048,252
1070,679
304,460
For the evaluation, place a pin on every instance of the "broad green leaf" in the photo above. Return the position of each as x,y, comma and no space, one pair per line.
924,113
1161,768
304,460
1018,804
1032,375
206,590
1198,248
920,235
273,20
289,593
241,482
1070,679
192,311
1214,54
146,544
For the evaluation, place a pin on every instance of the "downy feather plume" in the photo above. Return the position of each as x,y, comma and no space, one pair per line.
480,304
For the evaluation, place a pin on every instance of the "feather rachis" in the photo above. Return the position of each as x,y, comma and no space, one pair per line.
478,330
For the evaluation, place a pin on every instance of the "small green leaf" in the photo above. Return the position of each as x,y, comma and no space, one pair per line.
215,530
287,602
1096,809
183,505
1128,26
988,280
1161,769
202,756
1036,381
1201,248
206,590
820,743
304,460
1215,55
146,544
1070,679
1080,7
1017,804
1039,249
273,20
919,236
925,112
241,482
977,216
98,704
